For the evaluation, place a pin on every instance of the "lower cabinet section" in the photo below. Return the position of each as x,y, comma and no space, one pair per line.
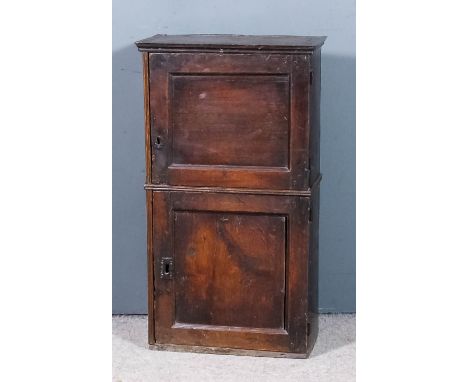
231,272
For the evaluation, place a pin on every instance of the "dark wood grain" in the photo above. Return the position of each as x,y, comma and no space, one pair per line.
149,203
313,267
224,278
146,94
226,190
162,246
230,351
230,120
232,42
314,122
150,266
232,180
231,287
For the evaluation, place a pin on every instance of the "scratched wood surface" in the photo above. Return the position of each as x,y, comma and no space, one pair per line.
223,276
233,172
229,42
240,278
230,120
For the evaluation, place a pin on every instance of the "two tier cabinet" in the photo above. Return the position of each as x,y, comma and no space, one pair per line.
232,186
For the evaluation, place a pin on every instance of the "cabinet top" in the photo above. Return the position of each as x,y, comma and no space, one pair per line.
230,42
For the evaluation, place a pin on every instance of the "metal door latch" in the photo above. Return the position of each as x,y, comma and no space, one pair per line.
167,267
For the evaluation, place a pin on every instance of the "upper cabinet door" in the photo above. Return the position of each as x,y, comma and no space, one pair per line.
229,120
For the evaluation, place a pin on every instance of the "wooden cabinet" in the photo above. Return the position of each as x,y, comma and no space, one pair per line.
232,155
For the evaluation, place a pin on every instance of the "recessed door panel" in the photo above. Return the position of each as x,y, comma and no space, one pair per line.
230,269
230,120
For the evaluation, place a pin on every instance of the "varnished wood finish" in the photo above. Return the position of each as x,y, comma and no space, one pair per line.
232,156
150,265
244,116
224,242
312,296
314,107
147,116
230,351
258,191
231,42
227,120
149,202
224,278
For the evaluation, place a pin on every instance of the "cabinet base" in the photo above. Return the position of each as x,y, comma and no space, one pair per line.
227,351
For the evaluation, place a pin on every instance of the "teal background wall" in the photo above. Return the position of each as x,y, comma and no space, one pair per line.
137,19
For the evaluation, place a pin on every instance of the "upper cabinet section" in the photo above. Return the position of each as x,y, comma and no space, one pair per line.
234,120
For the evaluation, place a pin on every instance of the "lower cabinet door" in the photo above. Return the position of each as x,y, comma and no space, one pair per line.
229,271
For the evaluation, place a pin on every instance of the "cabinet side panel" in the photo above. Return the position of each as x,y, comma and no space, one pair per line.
147,116
314,118
313,268
314,166
149,203
150,266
